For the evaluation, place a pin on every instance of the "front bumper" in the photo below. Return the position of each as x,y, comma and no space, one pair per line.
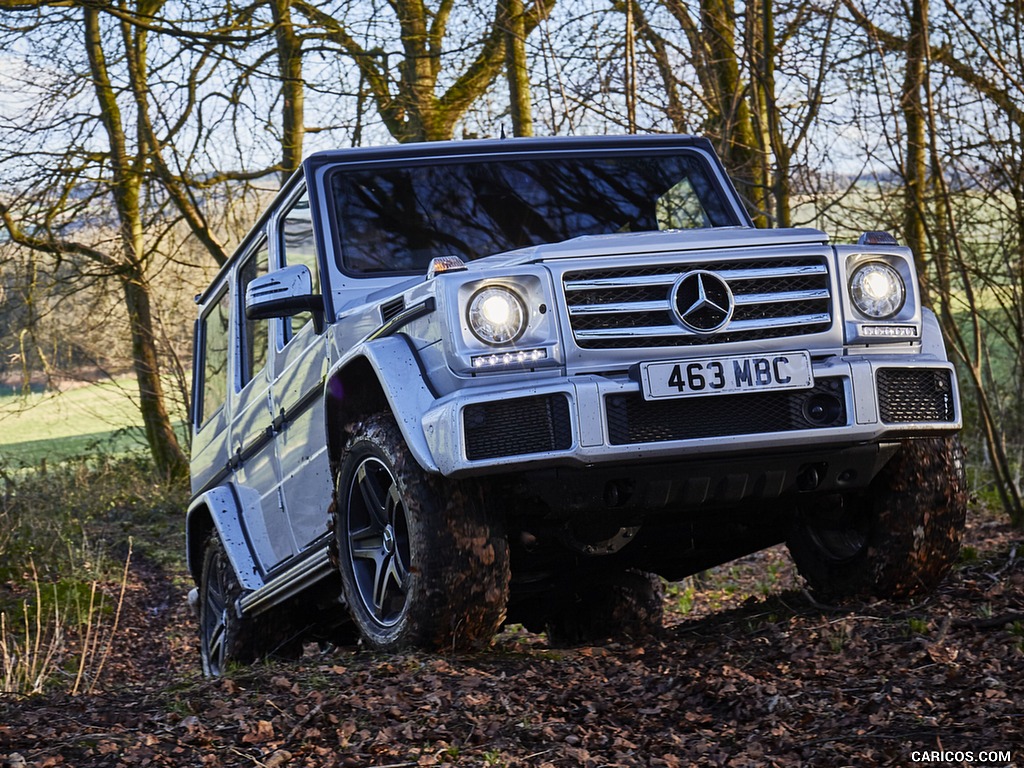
590,420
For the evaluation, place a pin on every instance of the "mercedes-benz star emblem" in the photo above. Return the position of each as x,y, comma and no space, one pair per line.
702,300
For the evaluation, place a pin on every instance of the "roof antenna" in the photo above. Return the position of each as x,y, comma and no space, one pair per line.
502,130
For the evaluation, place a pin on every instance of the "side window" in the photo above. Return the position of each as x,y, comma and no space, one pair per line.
215,358
297,247
254,339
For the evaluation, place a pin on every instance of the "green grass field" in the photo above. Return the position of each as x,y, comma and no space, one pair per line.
101,417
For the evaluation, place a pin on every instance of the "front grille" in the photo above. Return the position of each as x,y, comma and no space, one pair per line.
518,426
908,395
631,307
631,419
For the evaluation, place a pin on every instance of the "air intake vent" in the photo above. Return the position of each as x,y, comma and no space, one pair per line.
518,426
631,419
391,308
909,395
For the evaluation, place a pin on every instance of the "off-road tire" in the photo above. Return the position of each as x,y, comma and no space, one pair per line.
897,539
423,564
224,637
617,605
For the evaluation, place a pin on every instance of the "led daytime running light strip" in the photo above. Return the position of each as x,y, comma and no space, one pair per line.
502,359
890,331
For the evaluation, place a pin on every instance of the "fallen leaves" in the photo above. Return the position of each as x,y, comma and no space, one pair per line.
772,680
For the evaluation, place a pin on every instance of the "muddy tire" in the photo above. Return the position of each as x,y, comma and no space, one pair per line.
422,564
621,605
895,540
225,638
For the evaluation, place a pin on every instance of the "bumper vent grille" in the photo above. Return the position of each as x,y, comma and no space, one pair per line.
631,419
908,395
516,427
632,307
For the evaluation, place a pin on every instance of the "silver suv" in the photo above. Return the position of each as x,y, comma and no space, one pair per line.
447,385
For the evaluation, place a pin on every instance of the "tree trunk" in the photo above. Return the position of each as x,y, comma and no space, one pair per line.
125,186
163,443
915,164
289,62
730,118
630,68
516,71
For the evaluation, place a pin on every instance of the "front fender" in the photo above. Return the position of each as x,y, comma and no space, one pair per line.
931,335
398,383
222,509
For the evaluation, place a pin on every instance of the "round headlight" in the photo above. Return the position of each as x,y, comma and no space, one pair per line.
496,315
877,290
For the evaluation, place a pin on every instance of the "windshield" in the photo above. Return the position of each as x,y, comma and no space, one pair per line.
396,219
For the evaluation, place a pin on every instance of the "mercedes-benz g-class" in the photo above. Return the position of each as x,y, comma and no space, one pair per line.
445,385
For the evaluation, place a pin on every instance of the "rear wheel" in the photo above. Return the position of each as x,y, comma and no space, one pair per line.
617,605
422,563
224,637
897,539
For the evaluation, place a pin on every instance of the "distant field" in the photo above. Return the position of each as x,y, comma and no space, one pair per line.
101,417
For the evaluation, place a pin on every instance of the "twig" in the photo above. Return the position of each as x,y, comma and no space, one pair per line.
302,723
820,606
117,618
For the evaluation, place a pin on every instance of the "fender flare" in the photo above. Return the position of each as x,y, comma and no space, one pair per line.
408,394
222,509
931,335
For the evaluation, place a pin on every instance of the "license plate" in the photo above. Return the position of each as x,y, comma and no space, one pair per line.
726,375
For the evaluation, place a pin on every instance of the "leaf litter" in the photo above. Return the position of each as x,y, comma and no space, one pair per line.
749,670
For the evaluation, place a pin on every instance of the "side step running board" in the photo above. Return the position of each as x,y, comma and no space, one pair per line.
287,584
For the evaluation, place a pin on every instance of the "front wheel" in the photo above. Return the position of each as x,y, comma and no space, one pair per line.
422,564
898,538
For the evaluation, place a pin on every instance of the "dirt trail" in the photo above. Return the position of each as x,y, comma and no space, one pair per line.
754,673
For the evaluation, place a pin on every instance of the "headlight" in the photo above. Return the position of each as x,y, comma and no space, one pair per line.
496,315
877,290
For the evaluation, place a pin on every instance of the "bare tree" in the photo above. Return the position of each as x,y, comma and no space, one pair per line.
87,203
962,162
735,54
516,68
422,90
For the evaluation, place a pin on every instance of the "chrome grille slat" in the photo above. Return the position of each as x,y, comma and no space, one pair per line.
632,306
746,299
627,306
742,299
675,330
634,281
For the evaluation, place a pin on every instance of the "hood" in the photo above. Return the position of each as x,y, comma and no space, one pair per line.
670,241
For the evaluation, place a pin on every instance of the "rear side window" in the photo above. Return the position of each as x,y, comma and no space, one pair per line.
216,343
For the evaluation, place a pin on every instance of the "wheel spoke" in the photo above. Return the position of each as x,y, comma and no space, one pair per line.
216,641
366,540
390,583
399,568
378,540
373,495
395,508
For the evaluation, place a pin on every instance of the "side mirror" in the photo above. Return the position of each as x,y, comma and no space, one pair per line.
282,293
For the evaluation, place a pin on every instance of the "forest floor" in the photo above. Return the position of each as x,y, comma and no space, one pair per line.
748,671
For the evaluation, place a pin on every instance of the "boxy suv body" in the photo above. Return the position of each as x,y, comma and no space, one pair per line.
442,386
